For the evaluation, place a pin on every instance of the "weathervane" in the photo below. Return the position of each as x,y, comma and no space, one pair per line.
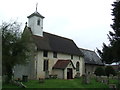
36,6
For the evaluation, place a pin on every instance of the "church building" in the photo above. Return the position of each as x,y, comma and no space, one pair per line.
53,55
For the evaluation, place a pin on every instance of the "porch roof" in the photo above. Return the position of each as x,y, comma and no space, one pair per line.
62,64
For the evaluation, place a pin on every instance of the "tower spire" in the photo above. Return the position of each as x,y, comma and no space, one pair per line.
36,6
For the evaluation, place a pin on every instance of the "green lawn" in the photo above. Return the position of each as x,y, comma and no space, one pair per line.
9,86
58,83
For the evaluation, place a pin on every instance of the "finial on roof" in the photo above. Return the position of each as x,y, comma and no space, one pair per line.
36,6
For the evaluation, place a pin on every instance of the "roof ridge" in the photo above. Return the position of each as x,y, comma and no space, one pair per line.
87,49
57,35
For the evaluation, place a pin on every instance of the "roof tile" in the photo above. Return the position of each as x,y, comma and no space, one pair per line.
91,57
56,43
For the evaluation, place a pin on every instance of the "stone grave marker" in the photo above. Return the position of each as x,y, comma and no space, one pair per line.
111,76
104,79
86,79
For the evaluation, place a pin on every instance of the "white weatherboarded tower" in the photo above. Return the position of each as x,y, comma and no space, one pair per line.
35,22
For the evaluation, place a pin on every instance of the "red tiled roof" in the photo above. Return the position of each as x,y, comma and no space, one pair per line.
62,64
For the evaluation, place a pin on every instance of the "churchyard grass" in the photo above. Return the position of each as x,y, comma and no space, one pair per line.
9,86
59,83
113,81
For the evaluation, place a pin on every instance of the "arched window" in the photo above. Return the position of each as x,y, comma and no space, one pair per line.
38,22
77,66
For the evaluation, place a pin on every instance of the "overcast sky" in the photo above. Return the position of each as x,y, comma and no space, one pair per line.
87,22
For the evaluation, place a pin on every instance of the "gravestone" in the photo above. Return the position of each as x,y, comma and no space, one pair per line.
98,79
104,79
115,77
22,85
86,79
110,76
19,84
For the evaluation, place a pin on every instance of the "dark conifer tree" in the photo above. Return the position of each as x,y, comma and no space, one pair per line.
111,53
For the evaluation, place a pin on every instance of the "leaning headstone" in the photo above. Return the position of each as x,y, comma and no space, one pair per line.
19,84
22,85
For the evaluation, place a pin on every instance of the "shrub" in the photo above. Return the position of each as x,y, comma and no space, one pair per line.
99,71
109,70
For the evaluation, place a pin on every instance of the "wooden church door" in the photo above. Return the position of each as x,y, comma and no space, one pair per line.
69,73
